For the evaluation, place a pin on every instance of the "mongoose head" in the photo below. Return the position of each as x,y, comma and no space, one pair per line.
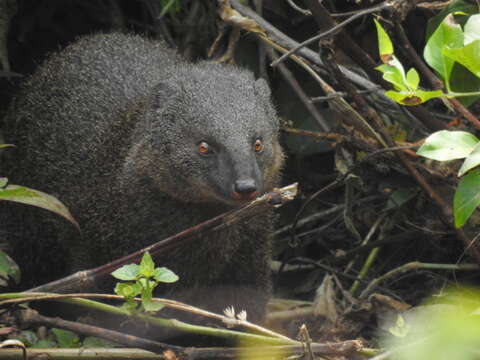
209,134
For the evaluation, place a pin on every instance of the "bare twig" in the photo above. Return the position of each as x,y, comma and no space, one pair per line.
322,123
332,30
414,266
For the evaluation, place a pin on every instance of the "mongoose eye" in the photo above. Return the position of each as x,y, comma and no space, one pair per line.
204,148
258,146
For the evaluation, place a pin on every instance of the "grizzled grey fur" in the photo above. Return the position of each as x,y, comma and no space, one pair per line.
111,126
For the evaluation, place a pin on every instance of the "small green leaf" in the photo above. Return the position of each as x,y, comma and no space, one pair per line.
385,46
413,79
467,197
127,272
447,145
472,160
2,146
147,266
24,195
448,33
394,75
8,268
66,339
3,182
128,290
165,275
152,306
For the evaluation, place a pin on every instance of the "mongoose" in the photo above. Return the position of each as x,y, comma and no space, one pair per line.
140,144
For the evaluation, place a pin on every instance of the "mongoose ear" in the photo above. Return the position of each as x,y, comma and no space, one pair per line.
162,94
262,88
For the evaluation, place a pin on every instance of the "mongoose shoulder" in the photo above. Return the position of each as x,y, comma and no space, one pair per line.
140,144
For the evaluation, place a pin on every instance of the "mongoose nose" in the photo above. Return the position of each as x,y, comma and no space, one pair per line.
245,189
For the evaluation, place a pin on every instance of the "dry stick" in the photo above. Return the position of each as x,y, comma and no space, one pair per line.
332,30
86,279
413,266
322,123
435,82
286,42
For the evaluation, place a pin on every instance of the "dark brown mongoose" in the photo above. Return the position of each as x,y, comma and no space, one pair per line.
139,145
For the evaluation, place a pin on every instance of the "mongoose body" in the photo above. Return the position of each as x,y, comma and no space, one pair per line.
139,145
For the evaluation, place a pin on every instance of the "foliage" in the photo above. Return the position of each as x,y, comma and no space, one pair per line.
439,330
448,47
142,280
24,195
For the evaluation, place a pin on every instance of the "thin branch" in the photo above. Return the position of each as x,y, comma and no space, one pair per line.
415,266
332,30
288,76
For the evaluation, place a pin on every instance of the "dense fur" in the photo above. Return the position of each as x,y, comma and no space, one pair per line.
111,126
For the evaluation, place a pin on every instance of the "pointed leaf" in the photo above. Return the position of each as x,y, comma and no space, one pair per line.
472,160
128,290
126,272
8,268
147,266
448,145
24,195
413,79
385,46
448,33
467,197
394,75
165,275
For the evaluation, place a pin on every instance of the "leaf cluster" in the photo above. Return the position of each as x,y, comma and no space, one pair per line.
142,280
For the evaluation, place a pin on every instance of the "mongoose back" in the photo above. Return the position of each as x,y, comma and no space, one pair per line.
140,144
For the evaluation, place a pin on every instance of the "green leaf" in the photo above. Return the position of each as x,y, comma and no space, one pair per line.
394,75
24,195
448,33
472,160
410,98
150,305
2,146
471,31
468,56
385,46
3,182
147,266
165,275
127,272
413,79
128,290
8,268
447,145
467,197
66,339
